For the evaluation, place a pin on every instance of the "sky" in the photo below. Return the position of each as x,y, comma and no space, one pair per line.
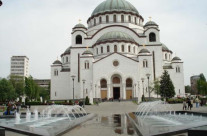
41,30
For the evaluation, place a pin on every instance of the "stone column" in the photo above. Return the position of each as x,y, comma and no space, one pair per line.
108,91
124,90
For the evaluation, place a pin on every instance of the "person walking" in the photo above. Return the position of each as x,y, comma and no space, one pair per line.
184,104
197,102
189,104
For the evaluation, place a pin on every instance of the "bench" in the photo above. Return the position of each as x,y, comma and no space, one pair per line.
2,132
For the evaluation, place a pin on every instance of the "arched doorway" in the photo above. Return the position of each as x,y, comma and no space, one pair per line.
103,83
129,88
116,86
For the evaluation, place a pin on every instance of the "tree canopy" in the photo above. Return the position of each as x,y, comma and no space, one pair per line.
167,89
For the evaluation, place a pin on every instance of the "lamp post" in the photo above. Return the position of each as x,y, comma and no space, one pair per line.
143,87
73,78
83,92
148,76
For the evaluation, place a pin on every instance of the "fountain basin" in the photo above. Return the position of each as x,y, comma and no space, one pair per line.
165,125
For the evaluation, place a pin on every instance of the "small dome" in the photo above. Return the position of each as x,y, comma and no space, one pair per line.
115,5
87,52
57,62
144,51
150,23
67,51
115,36
79,26
176,58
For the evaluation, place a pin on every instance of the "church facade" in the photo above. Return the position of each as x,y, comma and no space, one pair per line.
115,57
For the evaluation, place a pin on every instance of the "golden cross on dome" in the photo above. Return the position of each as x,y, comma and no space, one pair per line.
79,21
150,18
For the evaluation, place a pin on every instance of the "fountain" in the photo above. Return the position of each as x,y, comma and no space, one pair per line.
158,117
52,121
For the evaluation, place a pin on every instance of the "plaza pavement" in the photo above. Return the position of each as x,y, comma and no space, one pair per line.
104,124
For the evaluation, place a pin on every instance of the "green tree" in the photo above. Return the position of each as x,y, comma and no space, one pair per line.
187,89
18,84
202,85
167,89
31,88
7,91
157,87
44,93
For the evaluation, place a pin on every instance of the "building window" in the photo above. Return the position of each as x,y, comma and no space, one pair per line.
114,18
55,94
122,18
96,50
129,18
78,39
165,56
145,64
152,37
100,20
103,83
55,72
107,19
122,48
169,57
129,48
108,49
94,21
101,49
135,20
66,59
129,82
177,69
115,48
86,65
134,49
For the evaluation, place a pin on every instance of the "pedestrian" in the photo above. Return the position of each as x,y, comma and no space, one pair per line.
184,104
197,102
189,103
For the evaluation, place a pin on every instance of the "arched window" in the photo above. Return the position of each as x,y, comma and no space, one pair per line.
177,69
122,48
165,56
78,39
135,20
107,19
129,82
103,83
100,20
129,48
134,49
86,65
122,18
108,48
152,37
114,18
129,18
94,21
101,49
55,72
66,59
96,50
115,48
116,80
145,64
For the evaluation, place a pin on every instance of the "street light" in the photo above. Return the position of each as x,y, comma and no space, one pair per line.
73,78
148,76
143,87
83,92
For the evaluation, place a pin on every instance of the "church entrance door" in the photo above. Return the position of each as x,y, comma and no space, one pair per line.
116,92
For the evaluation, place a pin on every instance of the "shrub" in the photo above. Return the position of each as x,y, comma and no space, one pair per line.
87,101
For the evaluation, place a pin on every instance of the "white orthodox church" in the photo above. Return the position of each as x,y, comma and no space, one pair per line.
113,57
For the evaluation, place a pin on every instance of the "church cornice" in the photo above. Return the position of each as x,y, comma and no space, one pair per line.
79,30
151,28
116,26
115,12
115,53
113,41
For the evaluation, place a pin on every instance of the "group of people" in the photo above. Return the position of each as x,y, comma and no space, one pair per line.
188,103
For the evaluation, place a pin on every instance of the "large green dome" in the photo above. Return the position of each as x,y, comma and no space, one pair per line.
115,36
115,5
